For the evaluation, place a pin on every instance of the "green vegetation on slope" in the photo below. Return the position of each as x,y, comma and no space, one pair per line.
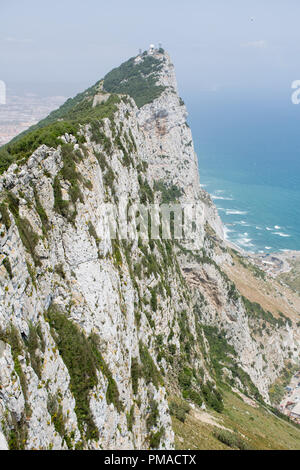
252,428
232,440
29,238
19,430
255,270
136,80
254,310
149,370
222,354
277,389
169,194
82,358
292,278
48,132
179,408
70,174
22,148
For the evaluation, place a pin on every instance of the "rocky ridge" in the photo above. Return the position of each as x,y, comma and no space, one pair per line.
95,333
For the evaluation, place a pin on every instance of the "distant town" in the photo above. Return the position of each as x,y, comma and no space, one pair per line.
22,111
290,404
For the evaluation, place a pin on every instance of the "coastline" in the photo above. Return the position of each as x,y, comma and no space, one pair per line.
275,263
256,220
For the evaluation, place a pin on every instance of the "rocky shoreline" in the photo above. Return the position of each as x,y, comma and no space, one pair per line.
274,264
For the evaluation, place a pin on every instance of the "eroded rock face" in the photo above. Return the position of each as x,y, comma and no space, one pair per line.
262,353
79,272
170,148
77,307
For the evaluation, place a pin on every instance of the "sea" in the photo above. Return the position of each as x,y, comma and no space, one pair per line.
249,161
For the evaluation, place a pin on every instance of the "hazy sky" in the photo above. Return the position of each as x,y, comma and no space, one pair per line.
251,46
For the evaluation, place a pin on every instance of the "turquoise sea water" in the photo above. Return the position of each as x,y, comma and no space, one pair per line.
249,161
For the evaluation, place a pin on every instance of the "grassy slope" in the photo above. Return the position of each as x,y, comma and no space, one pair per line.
269,293
292,278
260,429
48,131
137,80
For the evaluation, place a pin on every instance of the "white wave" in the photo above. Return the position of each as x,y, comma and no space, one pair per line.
222,198
269,229
268,247
246,242
235,212
226,232
280,234
277,227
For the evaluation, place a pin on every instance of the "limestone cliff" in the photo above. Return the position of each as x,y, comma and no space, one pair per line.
96,333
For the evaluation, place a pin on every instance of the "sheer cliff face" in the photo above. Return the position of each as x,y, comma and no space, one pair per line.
89,325
170,148
168,138
95,333
78,272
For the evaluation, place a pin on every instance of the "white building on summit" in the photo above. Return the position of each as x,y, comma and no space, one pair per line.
151,48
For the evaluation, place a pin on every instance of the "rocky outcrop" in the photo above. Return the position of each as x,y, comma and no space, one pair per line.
170,148
78,273
96,332
60,262
262,348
